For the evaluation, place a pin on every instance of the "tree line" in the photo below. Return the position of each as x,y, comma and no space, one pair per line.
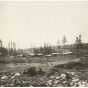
46,49
10,50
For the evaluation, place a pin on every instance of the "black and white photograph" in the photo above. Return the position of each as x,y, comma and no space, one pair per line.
44,43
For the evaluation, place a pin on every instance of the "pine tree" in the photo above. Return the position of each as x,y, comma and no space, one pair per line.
64,40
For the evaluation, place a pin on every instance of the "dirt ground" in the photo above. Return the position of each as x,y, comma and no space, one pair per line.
15,67
53,77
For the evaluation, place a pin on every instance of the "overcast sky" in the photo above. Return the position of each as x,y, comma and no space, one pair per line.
34,23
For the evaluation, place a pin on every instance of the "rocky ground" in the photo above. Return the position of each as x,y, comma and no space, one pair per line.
55,78
70,73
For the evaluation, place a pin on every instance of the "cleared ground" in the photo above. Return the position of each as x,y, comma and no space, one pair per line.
53,67
44,63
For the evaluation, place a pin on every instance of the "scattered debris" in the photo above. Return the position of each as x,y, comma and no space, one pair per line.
34,77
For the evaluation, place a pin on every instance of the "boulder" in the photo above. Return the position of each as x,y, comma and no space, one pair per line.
65,82
63,75
57,78
68,72
4,77
12,77
17,74
75,80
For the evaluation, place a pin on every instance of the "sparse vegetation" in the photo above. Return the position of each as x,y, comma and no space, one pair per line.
58,70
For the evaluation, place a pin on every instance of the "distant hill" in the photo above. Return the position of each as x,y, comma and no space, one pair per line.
66,47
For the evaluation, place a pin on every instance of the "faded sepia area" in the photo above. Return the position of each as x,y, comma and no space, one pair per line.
43,44
34,21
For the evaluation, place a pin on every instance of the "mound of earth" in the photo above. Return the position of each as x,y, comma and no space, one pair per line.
71,65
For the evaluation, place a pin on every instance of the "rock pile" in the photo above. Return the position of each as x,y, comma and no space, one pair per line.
68,79
59,79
